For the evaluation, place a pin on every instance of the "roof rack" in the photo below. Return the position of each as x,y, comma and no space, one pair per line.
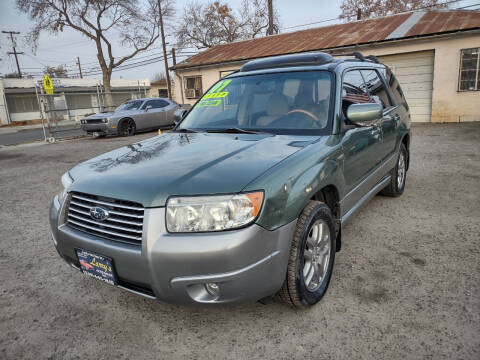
359,56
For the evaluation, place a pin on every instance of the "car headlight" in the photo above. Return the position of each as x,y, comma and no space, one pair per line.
212,213
105,120
67,181
83,121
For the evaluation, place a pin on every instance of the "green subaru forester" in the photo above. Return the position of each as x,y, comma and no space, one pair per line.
247,196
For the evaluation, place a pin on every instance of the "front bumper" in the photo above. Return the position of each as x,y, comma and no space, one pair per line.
246,264
103,128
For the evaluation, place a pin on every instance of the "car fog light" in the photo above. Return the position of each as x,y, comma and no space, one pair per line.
212,289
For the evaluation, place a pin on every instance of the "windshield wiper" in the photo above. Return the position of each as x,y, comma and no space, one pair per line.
236,130
185,130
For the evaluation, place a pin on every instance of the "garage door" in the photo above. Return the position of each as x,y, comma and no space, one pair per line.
415,74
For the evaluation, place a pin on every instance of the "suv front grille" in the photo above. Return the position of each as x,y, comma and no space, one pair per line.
124,223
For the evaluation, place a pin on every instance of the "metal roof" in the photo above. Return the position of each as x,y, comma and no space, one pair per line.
388,28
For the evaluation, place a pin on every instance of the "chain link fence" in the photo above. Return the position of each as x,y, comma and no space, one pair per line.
62,111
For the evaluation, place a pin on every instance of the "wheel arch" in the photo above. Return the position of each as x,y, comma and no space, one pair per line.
330,196
120,122
406,141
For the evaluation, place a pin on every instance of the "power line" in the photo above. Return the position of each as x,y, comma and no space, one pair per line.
465,7
401,12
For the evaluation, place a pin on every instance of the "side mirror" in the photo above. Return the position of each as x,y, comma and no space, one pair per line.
178,115
148,107
364,114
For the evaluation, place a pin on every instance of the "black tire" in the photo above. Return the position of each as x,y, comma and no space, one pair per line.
394,188
294,290
127,127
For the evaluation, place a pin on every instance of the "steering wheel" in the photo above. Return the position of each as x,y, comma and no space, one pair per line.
305,112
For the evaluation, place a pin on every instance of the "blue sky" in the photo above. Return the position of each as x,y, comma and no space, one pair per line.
65,47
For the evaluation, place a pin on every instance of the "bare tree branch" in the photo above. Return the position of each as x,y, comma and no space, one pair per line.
134,22
375,8
206,25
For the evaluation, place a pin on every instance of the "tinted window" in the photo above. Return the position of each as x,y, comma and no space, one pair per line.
376,88
155,104
353,90
130,105
396,90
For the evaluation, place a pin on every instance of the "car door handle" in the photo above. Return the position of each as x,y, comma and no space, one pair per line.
396,119
376,131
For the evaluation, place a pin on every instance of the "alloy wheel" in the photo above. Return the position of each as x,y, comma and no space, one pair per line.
316,255
401,170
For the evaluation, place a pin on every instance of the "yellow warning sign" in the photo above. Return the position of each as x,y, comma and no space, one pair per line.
48,85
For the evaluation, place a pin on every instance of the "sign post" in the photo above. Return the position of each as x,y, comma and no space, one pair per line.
48,88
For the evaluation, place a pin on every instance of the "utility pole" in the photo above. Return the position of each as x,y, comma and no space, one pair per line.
14,52
167,75
270,18
174,58
79,67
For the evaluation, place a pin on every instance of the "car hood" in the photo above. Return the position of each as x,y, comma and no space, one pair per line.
150,171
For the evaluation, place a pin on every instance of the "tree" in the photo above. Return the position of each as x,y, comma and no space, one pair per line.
216,23
159,77
134,23
56,72
376,8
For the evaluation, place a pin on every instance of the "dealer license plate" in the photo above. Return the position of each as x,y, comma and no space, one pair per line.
97,266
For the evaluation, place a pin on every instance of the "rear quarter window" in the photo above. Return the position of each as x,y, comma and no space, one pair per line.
395,88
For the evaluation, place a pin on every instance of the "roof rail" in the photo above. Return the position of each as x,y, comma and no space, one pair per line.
359,56
372,58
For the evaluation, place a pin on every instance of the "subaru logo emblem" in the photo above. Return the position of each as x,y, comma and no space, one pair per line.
99,213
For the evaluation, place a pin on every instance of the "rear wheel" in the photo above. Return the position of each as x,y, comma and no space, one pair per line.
312,255
399,175
127,127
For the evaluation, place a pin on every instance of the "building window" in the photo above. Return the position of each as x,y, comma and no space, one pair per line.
79,101
193,87
469,70
163,93
22,103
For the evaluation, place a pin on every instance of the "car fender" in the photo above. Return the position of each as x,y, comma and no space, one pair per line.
293,182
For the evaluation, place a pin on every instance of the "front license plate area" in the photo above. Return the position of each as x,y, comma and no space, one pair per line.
98,266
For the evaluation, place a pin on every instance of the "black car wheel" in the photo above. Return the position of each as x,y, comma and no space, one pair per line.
312,255
127,127
396,185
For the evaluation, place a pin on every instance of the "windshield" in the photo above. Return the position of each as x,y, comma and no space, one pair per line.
130,105
279,103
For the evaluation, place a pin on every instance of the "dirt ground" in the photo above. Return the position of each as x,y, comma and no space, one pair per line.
406,284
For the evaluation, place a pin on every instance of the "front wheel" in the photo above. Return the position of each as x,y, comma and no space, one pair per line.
399,175
127,127
312,255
